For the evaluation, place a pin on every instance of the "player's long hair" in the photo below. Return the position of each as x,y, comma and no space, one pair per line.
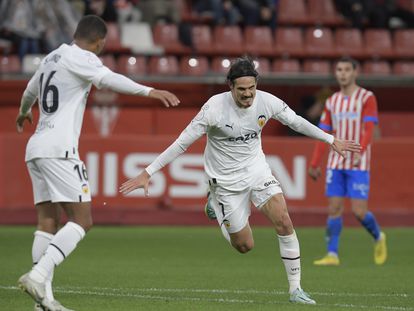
242,67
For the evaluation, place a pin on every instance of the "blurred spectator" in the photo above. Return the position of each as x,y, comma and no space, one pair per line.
375,13
18,23
103,8
258,12
222,12
246,12
165,11
37,26
353,10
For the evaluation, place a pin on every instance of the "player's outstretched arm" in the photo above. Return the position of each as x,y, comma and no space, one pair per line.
167,98
341,146
141,181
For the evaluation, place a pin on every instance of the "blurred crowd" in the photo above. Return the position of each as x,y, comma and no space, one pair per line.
38,26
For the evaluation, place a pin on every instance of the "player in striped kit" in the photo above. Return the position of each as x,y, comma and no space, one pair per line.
349,114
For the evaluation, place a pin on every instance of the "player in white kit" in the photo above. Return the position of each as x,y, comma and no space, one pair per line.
235,164
61,86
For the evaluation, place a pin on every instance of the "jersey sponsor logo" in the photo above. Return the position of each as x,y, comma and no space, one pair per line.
271,182
362,188
244,137
261,120
345,115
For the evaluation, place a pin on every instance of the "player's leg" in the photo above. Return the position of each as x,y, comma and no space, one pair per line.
66,182
48,218
232,210
335,191
359,192
275,210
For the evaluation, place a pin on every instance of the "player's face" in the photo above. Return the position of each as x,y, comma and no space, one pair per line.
345,74
244,91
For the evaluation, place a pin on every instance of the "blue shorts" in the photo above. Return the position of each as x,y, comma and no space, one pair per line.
347,183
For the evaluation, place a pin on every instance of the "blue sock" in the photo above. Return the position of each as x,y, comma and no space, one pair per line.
370,223
333,231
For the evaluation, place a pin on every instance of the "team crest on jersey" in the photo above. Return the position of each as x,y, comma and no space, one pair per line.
85,189
261,120
226,223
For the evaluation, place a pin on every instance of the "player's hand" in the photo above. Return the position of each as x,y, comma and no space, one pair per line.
20,120
167,98
141,181
314,172
341,146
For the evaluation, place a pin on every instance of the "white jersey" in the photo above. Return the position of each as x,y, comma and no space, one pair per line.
234,149
62,85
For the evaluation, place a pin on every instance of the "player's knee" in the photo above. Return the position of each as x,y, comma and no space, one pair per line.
244,247
335,210
284,225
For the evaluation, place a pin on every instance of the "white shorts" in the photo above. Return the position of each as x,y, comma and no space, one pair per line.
232,208
59,180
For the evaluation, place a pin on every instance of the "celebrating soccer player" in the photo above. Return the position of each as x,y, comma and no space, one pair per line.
61,86
235,164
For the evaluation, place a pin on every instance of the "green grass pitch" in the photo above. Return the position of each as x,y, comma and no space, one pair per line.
193,268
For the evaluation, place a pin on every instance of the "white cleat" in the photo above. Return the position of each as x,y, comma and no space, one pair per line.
300,296
35,289
38,307
54,305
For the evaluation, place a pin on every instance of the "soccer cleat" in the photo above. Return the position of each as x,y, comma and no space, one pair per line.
54,305
327,260
38,307
51,306
380,250
209,210
35,289
300,296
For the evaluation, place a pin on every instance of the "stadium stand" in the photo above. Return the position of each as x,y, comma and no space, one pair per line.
319,67
378,43
319,42
166,35
10,64
404,43
348,42
324,13
109,61
403,68
263,66
228,40
293,13
220,64
202,39
132,65
377,68
258,41
289,42
194,65
113,40
163,65
286,66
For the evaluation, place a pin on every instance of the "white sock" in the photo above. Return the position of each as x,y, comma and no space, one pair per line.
62,244
40,243
290,253
225,233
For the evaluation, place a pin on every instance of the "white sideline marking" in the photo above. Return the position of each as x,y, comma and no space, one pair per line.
118,292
